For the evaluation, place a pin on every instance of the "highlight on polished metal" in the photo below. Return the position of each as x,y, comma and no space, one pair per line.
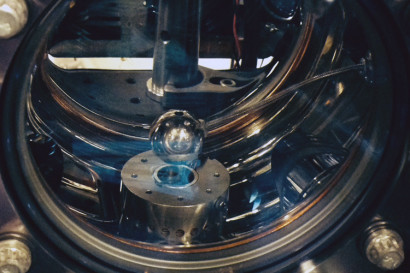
384,247
15,256
13,17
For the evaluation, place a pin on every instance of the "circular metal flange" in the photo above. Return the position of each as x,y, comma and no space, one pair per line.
181,203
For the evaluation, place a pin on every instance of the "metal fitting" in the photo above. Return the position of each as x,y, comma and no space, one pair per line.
384,248
181,203
13,17
15,256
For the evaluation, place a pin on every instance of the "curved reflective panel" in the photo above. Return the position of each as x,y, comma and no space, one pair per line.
200,135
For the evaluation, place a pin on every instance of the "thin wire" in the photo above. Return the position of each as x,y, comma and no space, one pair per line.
220,121
235,35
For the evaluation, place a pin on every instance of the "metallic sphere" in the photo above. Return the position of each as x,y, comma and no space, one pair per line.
177,136
179,140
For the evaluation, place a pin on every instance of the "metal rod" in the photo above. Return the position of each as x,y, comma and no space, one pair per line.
176,51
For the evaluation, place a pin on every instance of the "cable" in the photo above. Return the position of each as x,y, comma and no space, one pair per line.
235,35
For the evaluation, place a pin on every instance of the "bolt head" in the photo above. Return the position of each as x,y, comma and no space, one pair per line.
384,248
15,256
13,17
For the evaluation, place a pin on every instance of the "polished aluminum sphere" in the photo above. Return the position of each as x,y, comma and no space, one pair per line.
179,140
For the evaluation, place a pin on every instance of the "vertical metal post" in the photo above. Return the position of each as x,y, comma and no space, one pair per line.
176,49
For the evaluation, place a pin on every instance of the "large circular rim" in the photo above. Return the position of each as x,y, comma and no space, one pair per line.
18,170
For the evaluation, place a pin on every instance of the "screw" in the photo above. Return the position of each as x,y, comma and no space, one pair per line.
165,232
179,233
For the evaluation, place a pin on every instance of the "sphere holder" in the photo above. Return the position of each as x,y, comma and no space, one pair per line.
180,201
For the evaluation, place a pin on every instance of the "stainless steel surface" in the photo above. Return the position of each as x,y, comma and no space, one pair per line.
13,17
15,256
176,49
182,203
78,166
384,247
